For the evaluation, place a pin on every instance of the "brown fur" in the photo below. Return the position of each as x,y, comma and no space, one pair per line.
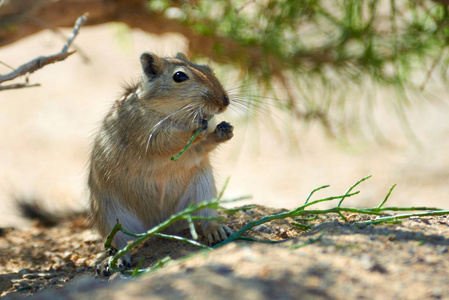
132,178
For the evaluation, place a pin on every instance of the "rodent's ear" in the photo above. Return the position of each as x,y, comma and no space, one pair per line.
181,56
152,64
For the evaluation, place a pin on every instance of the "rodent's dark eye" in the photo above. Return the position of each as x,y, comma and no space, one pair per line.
180,77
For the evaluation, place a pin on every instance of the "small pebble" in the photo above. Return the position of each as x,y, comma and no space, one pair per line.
66,255
67,269
46,275
419,235
30,276
262,228
392,237
372,265
221,269
248,212
25,288
59,279
362,225
20,282
117,277
284,235
24,271
81,261
442,249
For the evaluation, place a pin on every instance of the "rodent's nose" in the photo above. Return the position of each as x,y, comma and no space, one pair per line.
225,100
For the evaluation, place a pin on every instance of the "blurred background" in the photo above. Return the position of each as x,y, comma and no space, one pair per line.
325,92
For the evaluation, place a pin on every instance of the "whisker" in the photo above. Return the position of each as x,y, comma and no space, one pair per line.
192,115
257,88
258,98
159,123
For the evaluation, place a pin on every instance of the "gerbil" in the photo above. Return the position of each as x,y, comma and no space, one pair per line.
132,178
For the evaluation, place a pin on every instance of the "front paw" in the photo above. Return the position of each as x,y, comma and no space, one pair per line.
204,125
223,132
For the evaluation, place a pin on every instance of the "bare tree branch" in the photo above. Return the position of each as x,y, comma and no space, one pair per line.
34,65
42,61
79,22
63,37
18,86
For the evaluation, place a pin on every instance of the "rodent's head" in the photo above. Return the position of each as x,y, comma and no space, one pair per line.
179,87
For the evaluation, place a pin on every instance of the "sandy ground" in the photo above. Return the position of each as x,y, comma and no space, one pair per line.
386,261
46,134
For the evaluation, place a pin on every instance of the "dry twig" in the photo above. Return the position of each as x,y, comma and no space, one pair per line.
42,61
18,86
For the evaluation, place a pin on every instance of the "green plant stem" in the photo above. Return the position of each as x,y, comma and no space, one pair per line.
366,211
386,198
307,219
187,214
141,238
137,268
189,143
192,227
181,239
223,189
159,264
313,192
292,213
412,208
404,216
250,239
352,187
237,209
347,192
302,226
108,242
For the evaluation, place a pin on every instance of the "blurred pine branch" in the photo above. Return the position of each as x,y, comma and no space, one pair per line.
317,49
316,59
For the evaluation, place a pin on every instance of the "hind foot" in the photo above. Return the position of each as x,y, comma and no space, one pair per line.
216,233
123,263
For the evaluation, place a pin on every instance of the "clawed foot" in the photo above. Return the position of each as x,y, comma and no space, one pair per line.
216,233
123,263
